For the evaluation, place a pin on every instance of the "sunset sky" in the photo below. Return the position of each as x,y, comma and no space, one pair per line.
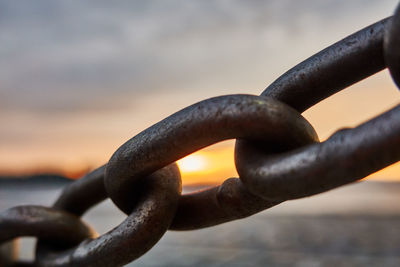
79,78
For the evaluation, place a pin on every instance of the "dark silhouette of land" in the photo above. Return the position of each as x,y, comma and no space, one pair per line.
36,179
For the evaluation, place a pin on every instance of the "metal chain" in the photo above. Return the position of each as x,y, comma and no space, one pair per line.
278,157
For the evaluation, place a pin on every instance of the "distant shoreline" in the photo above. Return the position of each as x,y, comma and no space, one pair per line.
53,179
56,179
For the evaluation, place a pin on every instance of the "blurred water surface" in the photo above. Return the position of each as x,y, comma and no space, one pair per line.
357,225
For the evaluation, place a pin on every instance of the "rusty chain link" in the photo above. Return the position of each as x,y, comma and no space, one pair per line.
278,157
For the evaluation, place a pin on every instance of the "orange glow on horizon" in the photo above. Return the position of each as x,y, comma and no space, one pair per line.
215,164
209,166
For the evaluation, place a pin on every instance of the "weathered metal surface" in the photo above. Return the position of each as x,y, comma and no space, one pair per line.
229,201
392,47
57,228
332,69
83,194
278,157
157,200
197,126
45,223
347,156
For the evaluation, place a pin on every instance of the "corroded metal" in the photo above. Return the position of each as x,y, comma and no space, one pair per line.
347,156
152,215
216,205
45,223
332,69
83,194
278,157
226,202
197,126
392,45
57,228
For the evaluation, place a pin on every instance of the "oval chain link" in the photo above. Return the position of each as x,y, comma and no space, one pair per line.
277,155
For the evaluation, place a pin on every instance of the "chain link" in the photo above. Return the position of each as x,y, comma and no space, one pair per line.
391,45
278,157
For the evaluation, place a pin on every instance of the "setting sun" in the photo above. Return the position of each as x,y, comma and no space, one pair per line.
211,165
192,163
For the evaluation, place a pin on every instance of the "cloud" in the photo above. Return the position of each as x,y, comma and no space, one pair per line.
78,78
74,55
